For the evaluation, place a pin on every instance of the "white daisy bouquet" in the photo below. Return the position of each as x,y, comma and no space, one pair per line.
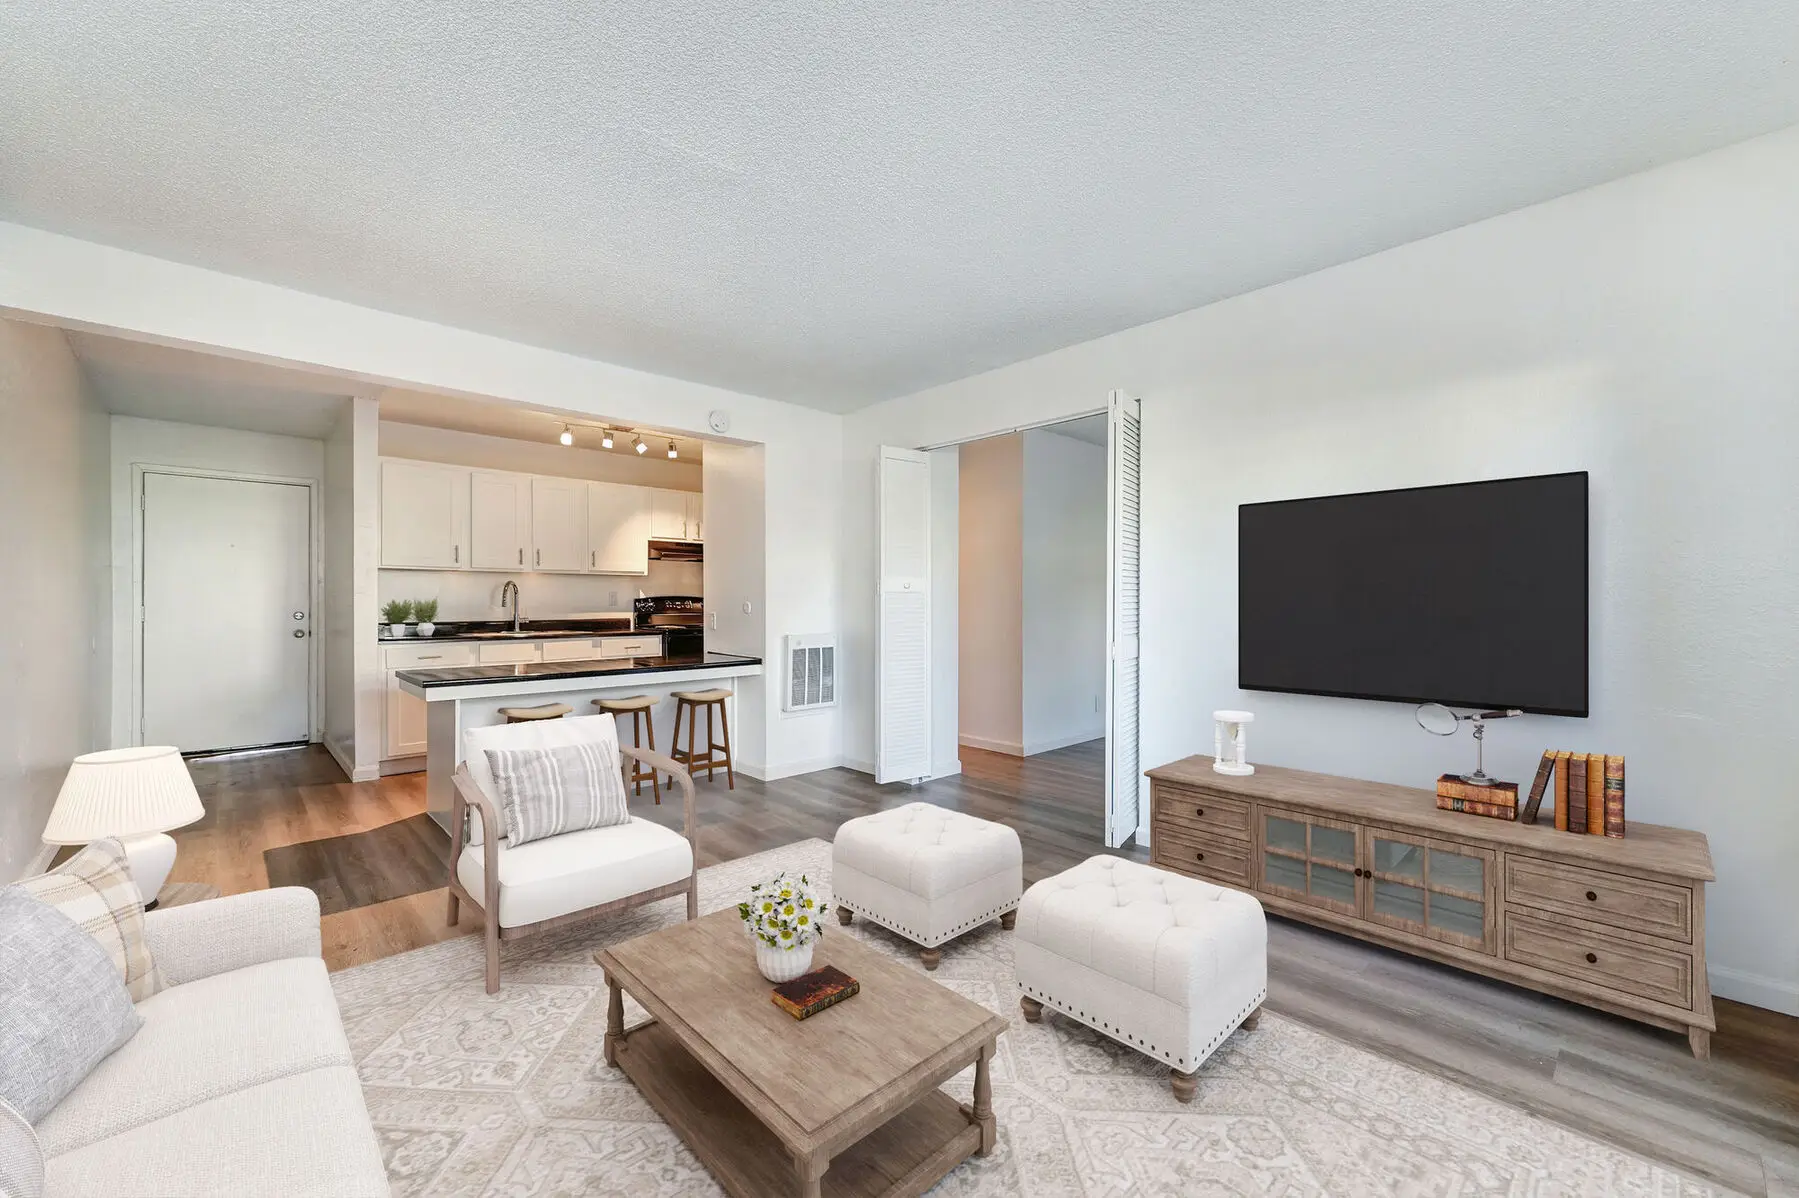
782,912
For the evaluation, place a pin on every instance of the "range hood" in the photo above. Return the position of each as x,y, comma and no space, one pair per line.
677,551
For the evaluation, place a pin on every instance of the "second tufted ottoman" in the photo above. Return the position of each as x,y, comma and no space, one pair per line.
1166,964
927,873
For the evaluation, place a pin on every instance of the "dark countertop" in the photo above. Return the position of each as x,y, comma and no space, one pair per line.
475,675
533,630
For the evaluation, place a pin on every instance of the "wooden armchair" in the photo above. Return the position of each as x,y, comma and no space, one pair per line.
564,879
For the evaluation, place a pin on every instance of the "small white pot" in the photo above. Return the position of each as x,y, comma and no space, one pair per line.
427,628
783,964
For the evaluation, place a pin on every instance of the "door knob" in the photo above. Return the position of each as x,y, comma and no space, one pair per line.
299,632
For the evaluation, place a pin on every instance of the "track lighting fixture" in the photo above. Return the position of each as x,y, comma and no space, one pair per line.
606,439
567,437
639,444
671,450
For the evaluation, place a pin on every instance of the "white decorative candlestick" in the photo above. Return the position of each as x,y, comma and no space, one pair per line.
1227,729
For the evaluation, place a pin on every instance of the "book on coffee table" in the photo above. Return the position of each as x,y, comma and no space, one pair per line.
812,992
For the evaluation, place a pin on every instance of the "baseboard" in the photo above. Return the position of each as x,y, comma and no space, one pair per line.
400,765
788,769
1010,748
367,773
861,767
1034,747
1755,989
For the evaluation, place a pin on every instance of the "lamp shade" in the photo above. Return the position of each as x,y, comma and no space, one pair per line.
123,792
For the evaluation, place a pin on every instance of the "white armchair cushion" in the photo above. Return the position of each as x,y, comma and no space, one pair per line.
533,734
219,935
577,870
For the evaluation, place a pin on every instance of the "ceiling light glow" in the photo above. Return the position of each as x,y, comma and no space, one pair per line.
567,437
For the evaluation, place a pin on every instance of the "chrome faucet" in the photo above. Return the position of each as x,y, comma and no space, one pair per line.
511,588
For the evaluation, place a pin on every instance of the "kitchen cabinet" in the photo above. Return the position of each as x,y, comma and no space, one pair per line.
499,520
424,515
668,515
559,525
630,646
618,529
695,510
405,714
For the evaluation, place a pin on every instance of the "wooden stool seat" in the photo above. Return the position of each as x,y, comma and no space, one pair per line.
718,748
638,707
634,703
524,715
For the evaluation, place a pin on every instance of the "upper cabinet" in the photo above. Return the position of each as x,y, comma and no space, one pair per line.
675,515
424,515
499,520
559,525
618,529
695,512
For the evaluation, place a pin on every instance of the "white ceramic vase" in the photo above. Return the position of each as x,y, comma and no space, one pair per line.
783,964
427,628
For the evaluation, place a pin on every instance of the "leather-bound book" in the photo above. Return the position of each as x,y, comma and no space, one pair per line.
1537,788
1562,762
1614,797
1577,793
811,993
1596,794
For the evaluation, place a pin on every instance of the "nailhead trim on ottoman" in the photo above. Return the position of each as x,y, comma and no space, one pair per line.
926,873
1166,964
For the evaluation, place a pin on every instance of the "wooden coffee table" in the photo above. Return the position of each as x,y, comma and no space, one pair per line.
770,1103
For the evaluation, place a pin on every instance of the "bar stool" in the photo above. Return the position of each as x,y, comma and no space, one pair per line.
691,702
524,715
643,736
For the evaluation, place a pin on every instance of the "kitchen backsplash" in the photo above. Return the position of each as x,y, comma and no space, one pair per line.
475,595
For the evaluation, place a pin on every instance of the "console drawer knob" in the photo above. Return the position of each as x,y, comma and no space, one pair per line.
1592,958
1592,897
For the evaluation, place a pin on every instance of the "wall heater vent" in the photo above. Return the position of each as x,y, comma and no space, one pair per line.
811,673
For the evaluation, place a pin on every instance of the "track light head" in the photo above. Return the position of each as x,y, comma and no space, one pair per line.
567,437
671,450
639,445
606,439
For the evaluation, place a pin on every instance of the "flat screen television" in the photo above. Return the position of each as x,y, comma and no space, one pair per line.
1471,595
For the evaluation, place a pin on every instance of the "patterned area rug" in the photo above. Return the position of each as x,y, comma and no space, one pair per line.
509,1094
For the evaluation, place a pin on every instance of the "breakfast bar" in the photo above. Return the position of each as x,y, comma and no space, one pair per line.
471,696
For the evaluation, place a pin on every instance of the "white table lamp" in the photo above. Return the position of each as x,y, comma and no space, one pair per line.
134,794
1231,743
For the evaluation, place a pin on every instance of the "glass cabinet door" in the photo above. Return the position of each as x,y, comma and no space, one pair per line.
1310,859
1422,886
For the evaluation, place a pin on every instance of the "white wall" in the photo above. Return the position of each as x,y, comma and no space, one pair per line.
736,578
1647,331
53,551
138,442
990,566
73,283
536,457
1064,612
354,686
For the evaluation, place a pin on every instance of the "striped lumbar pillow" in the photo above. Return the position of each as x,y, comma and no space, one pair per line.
94,888
545,792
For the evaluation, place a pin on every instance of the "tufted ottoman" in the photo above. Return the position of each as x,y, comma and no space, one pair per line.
927,873
1164,963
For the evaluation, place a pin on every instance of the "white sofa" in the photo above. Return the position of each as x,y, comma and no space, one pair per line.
240,1080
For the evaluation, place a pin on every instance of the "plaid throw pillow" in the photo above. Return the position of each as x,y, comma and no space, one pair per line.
94,888
545,792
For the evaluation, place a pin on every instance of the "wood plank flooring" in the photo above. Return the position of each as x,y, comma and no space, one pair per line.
1733,1119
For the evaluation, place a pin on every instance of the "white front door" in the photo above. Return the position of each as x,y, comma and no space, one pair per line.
1123,611
903,632
227,612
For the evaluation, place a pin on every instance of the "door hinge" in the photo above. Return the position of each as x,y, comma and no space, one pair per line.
143,501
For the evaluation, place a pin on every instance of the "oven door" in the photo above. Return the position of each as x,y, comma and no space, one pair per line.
683,642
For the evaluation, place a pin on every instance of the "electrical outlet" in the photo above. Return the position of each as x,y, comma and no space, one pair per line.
612,600
715,621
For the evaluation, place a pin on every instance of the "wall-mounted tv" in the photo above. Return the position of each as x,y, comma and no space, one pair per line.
1471,595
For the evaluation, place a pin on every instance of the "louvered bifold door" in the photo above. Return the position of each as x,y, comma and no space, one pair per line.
1123,609
903,631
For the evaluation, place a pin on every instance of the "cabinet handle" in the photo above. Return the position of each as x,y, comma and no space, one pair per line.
456,553
432,657
1591,897
1592,958
1199,856
521,555
540,557
1199,811
593,558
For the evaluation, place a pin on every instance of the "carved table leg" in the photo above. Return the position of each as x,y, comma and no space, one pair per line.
1033,1010
1254,1017
615,1021
931,957
1700,1041
983,1100
1008,918
844,915
1184,1084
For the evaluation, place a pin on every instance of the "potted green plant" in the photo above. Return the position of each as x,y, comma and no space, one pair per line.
425,611
395,613
781,915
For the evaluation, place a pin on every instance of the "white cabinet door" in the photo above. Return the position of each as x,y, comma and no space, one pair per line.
696,510
668,515
405,721
424,515
499,520
559,524
618,529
